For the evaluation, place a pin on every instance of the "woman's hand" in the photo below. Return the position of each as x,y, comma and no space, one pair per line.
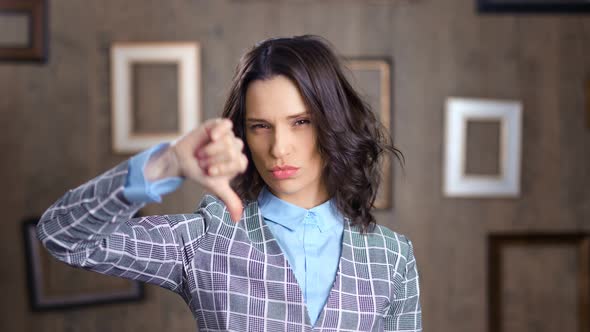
212,155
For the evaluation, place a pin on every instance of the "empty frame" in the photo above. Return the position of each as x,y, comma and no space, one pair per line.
23,30
372,78
508,116
53,285
185,56
533,6
538,280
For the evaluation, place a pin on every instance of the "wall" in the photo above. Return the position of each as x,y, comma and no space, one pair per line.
55,129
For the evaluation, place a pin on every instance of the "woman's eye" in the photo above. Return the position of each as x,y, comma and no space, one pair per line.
258,125
302,122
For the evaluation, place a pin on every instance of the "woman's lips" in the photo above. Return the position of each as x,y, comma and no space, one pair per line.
284,173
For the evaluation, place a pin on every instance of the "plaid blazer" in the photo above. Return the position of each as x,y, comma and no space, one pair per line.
234,277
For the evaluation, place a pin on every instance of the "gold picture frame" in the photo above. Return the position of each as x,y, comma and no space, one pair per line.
376,90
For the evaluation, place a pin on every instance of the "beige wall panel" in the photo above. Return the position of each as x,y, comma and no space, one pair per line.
155,98
482,153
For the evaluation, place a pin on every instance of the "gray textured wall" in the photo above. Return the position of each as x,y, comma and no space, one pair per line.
55,130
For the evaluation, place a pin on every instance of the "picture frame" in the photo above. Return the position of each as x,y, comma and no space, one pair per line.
186,56
377,92
53,285
588,104
533,6
509,115
497,243
36,47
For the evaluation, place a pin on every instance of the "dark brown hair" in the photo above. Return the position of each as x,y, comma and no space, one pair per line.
351,140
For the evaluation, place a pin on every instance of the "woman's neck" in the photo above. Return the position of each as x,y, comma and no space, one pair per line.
304,199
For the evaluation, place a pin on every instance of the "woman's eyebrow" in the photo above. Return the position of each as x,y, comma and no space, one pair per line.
289,117
255,120
297,115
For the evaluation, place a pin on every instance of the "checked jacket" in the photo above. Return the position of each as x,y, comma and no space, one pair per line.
233,277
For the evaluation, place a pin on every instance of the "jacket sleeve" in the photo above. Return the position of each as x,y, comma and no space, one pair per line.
405,312
91,227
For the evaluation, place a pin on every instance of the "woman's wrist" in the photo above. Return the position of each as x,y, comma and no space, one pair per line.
161,165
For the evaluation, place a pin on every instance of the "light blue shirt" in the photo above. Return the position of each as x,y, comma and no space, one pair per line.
310,239
138,189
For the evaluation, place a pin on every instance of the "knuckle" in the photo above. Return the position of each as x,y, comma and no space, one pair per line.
244,162
221,169
228,140
236,152
210,150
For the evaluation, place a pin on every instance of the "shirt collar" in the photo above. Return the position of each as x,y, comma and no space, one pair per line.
290,215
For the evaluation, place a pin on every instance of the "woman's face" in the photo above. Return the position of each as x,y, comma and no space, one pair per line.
283,142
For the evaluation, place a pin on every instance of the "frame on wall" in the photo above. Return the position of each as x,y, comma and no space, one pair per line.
496,243
530,6
458,112
382,66
588,104
37,45
186,55
39,264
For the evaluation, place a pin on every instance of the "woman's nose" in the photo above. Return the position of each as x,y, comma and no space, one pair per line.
281,144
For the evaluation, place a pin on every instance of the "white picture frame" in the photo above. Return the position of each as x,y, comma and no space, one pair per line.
509,115
186,55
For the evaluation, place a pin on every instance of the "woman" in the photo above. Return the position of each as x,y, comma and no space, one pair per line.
296,168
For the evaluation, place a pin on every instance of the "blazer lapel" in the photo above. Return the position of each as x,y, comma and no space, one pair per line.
258,233
344,275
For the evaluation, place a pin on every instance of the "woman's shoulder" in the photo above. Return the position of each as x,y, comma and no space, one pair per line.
392,241
211,204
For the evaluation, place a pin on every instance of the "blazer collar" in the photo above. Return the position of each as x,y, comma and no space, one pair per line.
263,240
290,215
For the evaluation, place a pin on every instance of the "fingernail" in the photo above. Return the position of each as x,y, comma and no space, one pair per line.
213,170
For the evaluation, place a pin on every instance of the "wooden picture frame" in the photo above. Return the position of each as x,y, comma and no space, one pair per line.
459,184
497,242
36,49
588,104
528,6
381,103
42,270
186,55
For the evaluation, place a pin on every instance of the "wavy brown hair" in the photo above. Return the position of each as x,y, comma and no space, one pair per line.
351,140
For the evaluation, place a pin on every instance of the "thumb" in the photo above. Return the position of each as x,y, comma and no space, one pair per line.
231,200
